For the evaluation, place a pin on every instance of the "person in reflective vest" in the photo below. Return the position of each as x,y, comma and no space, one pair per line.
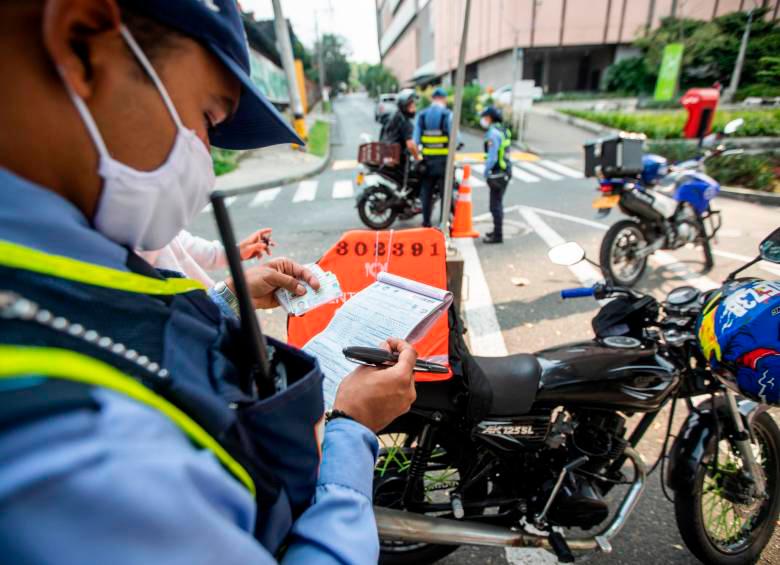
432,132
498,168
130,431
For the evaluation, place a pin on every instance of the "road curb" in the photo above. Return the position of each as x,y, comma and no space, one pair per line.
748,195
288,179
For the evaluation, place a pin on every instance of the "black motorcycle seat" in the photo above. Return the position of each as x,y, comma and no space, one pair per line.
513,380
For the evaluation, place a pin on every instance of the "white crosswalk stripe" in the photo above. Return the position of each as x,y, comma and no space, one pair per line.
228,201
539,171
265,197
562,169
343,189
307,191
520,174
476,181
478,169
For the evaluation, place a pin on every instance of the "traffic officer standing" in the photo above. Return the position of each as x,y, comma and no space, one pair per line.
498,168
128,431
432,131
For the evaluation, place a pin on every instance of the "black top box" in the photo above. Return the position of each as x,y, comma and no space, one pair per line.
615,156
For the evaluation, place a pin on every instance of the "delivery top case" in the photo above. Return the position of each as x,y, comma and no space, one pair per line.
615,156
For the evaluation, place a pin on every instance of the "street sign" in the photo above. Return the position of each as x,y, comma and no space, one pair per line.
666,86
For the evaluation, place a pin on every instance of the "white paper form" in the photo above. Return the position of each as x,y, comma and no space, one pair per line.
376,313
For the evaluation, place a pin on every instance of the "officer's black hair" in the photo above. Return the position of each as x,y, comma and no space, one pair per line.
155,39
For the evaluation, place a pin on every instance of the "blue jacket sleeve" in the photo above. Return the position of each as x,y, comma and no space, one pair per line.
125,486
493,140
418,127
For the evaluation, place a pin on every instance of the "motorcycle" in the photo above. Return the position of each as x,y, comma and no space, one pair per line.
669,208
386,193
512,450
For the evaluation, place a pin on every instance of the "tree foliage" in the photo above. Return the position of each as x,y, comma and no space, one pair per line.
630,76
334,58
711,49
377,79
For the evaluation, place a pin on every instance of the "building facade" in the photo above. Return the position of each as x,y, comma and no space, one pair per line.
564,45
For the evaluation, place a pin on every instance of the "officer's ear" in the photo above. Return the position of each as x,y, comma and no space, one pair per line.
75,33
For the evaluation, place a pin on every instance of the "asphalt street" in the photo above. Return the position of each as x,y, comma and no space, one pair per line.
546,203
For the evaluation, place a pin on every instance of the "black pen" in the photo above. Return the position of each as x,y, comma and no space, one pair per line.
375,357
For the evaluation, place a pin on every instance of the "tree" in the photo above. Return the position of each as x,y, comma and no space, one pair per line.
630,75
377,79
710,48
334,59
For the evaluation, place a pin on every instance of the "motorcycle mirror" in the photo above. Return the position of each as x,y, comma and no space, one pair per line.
566,254
733,126
769,249
710,140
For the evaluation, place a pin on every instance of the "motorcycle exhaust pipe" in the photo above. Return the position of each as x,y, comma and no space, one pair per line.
406,526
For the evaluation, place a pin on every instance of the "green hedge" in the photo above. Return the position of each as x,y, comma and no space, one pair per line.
319,137
669,125
224,160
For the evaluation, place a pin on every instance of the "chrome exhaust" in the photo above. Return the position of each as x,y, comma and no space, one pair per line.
406,526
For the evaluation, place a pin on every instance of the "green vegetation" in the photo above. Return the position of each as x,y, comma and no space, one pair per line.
224,160
377,79
474,101
760,171
711,49
319,138
669,125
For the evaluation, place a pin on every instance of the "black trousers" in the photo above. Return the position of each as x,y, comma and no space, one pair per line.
497,185
431,180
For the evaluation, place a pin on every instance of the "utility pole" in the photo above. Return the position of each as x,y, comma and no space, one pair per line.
285,50
735,76
320,65
460,78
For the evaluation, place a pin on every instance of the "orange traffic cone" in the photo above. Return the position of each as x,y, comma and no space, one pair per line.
461,223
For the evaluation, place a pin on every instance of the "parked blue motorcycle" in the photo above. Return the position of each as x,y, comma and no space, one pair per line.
668,206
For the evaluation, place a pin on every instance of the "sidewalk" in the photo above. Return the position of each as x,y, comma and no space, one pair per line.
553,138
276,165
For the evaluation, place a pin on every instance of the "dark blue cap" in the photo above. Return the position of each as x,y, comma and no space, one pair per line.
439,92
217,25
493,113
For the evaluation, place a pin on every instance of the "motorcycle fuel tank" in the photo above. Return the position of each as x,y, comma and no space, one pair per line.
616,373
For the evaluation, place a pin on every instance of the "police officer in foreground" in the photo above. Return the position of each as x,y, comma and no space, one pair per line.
432,131
128,430
498,168
400,128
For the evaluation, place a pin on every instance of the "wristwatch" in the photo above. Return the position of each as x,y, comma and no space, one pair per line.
222,290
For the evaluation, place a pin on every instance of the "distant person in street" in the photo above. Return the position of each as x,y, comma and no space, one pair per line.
136,425
432,132
498,168
400,128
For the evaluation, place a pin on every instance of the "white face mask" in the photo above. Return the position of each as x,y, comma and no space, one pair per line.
484,122
146,209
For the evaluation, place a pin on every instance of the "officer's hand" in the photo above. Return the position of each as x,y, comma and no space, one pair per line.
376,397
263,281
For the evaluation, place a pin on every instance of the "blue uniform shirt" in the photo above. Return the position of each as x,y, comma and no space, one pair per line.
123,485
431,118
493,139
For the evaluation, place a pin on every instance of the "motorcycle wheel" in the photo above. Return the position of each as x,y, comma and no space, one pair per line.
718,521
441,476
618,253
374,208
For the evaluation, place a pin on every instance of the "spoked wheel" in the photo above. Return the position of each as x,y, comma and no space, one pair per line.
722,521
375,208
620,253
391,475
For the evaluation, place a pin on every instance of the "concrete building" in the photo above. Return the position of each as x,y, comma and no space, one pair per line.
564,45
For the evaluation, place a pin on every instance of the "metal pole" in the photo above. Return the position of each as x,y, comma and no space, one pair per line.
460,77
735,76
514,73
285,50
320,65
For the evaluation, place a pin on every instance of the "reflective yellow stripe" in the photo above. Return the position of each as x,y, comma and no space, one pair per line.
21,257
432,151
434,139
71,366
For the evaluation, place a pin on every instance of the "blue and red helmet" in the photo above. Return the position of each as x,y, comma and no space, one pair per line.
739,334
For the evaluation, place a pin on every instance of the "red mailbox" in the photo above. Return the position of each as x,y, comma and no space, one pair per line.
701,104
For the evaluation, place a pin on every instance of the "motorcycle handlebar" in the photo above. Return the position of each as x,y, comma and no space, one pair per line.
580,292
